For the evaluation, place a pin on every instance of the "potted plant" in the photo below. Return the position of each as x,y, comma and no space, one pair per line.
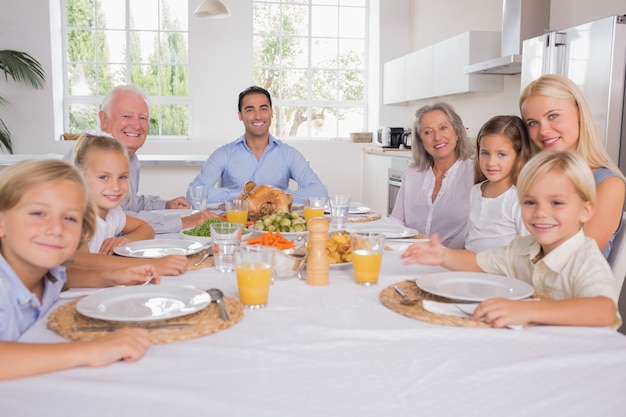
24,69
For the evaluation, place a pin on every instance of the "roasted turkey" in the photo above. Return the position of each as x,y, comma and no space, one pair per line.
264,199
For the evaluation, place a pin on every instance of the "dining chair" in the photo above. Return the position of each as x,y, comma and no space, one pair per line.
617,257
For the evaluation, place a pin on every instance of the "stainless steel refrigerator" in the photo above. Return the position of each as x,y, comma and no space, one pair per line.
593,55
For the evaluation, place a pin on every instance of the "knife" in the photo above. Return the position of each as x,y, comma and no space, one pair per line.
120,326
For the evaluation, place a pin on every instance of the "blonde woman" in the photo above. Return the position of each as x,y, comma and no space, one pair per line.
558,118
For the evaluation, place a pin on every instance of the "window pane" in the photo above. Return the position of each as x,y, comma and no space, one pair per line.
351,54
173,81
82,117
173,48
142,47
81,46
146,76
324,122
324,21
350,86
174,15
349,120
294,85
295,52
323,53
114,50
267,18
291,121
324,85
81,80
295,20
111,14
144,14
81,14
174,120
351,22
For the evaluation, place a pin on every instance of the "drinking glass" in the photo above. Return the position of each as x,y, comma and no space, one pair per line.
198,195
367,255
226,237
237,211
254,275
339,207
313,207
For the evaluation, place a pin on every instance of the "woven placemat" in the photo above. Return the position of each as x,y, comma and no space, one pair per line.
364,217
202,323
391,299
192,259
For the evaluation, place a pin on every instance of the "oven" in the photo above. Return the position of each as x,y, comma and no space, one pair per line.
394,180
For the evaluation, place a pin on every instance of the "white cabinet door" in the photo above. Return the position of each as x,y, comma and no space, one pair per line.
375,185
452,55
418,74
393,81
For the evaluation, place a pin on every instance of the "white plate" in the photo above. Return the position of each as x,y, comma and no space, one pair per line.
176,212
474,286
143,303
391,231
286,235
355,208
157,248
402,244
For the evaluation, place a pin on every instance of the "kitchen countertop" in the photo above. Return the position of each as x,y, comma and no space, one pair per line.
164,160
388,151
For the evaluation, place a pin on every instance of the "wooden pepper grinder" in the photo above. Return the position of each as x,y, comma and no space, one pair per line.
317,269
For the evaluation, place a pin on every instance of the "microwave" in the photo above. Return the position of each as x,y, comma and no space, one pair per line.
394,137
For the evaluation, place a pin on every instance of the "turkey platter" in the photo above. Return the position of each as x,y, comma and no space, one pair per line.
264,199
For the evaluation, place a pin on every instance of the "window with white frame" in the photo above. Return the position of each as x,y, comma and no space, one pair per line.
113,42
311,56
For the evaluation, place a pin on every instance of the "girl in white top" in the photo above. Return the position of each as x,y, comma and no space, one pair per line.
495,218
105,165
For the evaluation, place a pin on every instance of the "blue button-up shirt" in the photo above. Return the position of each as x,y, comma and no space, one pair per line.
20,308
235,164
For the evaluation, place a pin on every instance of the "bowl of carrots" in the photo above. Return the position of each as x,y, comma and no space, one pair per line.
289,256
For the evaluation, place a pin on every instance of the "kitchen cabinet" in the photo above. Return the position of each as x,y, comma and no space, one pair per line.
375,185
438,70
377,162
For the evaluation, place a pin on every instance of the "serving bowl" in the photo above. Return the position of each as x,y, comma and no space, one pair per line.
289,262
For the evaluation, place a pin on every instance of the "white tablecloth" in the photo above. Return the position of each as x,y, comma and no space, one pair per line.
337,351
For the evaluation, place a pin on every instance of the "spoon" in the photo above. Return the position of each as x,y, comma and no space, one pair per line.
217,295
209,252
405,298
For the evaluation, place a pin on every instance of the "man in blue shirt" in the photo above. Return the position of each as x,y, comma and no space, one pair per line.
257,156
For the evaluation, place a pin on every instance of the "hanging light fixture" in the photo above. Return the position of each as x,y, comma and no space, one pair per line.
212,8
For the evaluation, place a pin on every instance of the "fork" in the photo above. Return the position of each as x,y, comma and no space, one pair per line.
405,298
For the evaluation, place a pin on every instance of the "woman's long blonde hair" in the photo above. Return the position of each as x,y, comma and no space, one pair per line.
590,143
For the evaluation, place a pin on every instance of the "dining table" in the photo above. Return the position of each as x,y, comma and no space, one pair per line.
337,350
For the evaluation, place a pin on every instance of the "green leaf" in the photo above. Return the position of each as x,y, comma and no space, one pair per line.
22,67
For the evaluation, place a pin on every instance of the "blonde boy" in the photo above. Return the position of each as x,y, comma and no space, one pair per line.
557,194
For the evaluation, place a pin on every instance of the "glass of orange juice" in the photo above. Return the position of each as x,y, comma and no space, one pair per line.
313,207
254,275
367,255
237,211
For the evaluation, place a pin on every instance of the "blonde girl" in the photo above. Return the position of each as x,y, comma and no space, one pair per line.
558,118
105,165
502,149
45,214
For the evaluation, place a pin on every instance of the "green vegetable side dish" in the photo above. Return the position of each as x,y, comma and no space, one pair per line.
204,229
281,221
